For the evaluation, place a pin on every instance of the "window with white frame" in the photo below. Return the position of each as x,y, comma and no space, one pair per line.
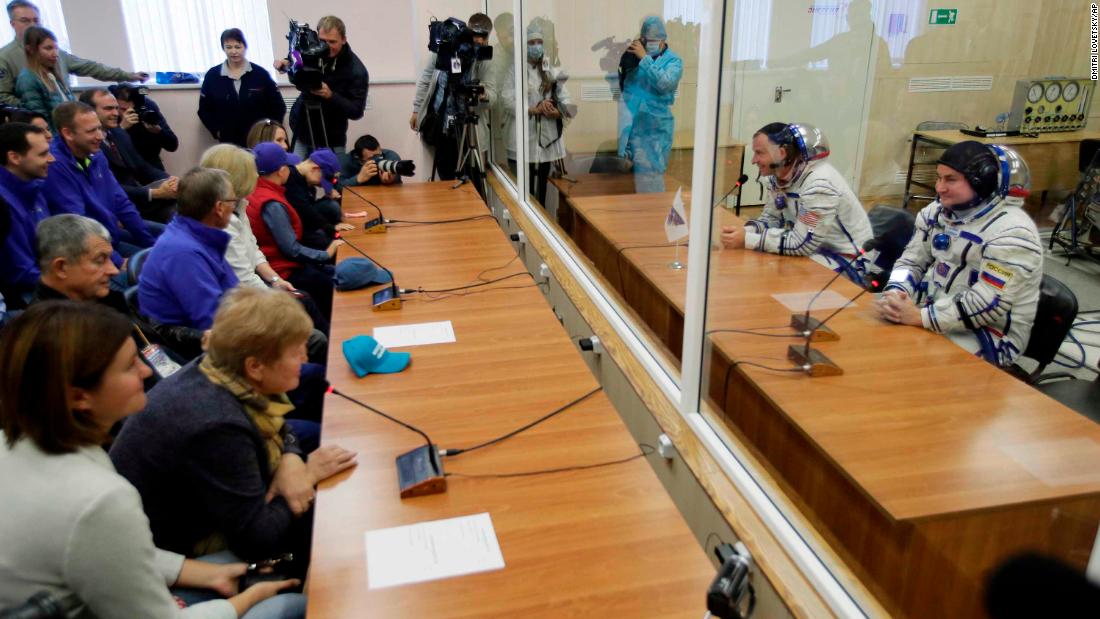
182,35
50,16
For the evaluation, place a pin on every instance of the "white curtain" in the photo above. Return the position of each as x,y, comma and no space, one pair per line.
752,24
182,35
50,17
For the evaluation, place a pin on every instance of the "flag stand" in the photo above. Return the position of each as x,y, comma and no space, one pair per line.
676,265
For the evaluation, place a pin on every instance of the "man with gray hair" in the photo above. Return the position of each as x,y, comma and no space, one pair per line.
22,15
186,272
74,256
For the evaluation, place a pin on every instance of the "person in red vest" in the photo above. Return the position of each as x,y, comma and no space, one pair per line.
278,229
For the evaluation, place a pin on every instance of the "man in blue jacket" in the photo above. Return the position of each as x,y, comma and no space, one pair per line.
26,154
80,182
186,273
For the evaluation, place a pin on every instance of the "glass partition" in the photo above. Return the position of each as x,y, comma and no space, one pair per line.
609,105
500,86
907,454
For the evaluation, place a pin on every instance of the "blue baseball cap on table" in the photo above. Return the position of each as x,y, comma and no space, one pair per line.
366,356
271,156
355,273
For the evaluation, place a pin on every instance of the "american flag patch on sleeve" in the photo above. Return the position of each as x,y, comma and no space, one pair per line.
809,218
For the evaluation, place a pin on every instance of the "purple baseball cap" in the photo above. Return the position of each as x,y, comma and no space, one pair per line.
330,167
271,156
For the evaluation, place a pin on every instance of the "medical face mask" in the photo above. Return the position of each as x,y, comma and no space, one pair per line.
534,52
653,48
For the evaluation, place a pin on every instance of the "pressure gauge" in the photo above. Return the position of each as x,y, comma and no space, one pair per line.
1035,93
1053,91
1069,93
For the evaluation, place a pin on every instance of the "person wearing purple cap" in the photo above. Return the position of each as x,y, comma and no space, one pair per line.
278,229
321,217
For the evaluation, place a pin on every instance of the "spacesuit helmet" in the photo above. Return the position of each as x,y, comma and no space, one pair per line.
991,169
801,141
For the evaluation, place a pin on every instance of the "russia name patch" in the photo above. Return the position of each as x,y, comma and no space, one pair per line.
993,280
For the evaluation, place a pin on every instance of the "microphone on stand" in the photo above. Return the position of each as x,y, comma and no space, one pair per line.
810,326
420,471
740,181
373,226
813,361
388,298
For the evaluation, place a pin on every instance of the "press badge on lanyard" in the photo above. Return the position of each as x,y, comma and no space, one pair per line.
155,356
456,64
160,362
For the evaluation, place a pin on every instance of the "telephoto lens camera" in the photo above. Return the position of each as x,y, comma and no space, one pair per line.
405,167
306,57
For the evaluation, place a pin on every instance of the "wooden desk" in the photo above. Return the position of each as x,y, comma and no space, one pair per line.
921,480
1052,158
580,543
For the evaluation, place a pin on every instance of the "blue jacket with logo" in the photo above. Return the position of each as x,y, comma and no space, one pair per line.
186,274
26,206
91,190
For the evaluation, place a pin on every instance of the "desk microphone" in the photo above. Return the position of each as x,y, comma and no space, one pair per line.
813,361
389,298
810,326
740,181
420,471
373,226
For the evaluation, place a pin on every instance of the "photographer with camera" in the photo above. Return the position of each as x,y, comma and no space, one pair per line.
649,74
549,107
370,164
334,87
151,190
142,120
429,104
22,15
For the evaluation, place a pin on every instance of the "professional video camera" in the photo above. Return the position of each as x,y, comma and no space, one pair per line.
454,47
404,167
305,57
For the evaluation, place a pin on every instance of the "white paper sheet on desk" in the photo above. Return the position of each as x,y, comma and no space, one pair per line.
432,550
797,301
418,334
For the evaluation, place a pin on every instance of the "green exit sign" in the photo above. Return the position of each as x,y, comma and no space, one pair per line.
942,16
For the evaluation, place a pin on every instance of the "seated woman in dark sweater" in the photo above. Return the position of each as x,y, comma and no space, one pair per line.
211,456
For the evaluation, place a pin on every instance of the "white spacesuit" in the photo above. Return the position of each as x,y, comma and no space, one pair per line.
976,271
816,214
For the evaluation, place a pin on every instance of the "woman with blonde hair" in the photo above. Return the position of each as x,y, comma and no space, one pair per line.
242,253
268,130
212,456
41,86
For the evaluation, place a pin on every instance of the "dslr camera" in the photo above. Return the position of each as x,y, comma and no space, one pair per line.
145,113
305,57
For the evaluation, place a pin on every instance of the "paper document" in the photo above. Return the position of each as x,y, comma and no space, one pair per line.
797,301
418,334
432,550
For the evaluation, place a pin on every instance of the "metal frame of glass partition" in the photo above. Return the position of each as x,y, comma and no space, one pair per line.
685,390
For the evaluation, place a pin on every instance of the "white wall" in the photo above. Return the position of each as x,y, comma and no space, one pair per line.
389,37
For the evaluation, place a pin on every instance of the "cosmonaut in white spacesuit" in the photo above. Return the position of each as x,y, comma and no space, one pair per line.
975,263
809,209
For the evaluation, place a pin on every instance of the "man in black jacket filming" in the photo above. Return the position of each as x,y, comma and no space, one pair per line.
319,117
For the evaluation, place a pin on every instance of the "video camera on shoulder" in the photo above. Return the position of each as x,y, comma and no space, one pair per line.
305,56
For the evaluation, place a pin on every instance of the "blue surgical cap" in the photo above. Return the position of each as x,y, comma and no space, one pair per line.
653,27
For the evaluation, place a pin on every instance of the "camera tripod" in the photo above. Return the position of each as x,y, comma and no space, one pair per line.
309,108
469,156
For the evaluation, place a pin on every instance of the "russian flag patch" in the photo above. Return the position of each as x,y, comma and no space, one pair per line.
992,280
995,275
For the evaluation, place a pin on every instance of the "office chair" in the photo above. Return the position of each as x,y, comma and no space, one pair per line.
892,228
1053,321
134,266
